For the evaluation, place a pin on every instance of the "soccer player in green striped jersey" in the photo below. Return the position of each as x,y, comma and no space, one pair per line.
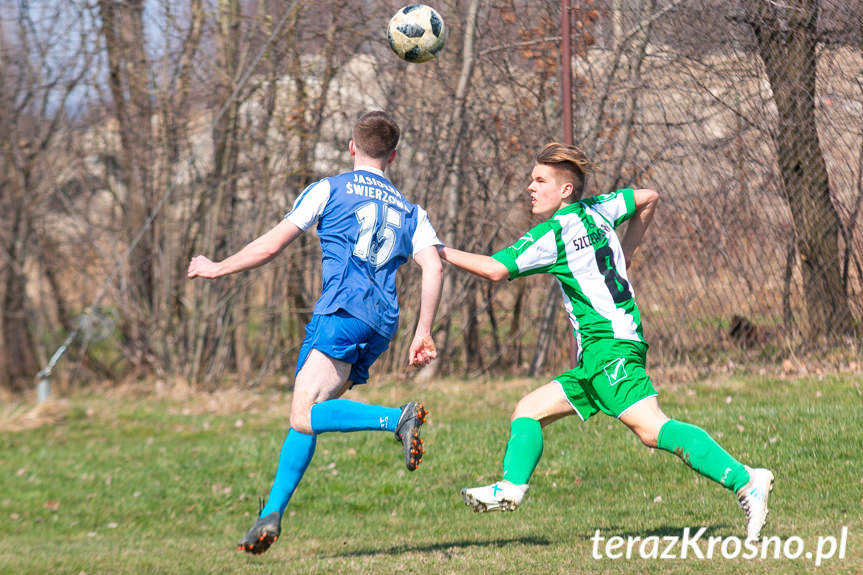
578,245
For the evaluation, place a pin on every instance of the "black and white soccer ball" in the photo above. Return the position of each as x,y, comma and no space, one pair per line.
416,33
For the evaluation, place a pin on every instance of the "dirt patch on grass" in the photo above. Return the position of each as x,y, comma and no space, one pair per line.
21,417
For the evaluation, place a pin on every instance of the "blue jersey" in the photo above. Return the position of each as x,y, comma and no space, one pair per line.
367,230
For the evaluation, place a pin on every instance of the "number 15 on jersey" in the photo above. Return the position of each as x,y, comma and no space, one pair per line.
377,232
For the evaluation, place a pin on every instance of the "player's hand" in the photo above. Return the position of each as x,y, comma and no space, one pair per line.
422,351
202,266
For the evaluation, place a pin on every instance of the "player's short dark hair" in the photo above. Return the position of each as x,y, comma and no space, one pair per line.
376,134
570,160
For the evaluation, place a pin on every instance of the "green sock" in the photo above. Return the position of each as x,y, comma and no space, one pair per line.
700,452
523,450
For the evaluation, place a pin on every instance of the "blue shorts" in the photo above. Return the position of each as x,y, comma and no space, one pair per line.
341,336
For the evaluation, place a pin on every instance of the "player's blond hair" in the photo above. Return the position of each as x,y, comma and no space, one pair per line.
570,160
376,134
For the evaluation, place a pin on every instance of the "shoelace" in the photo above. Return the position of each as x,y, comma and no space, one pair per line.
743,501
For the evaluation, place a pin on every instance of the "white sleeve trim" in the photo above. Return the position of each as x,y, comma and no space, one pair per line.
424,234
309,205
613,209
543,252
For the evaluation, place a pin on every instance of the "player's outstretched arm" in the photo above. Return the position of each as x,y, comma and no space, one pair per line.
422,349
484,266
645,205
256,253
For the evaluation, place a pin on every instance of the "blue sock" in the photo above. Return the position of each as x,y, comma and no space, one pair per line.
346,415
297,452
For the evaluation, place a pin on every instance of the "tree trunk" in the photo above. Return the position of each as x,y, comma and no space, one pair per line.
639,50
452,191
18,363
35,84
213,321
128,78
18,343
472,346
786,43
547,330
174,237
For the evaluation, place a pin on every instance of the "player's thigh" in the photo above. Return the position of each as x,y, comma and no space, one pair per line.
645,419
545,404
321,378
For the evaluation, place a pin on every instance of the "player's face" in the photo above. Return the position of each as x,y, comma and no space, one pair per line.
547,190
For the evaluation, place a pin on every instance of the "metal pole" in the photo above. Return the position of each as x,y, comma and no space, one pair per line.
566,103
566,68
43,378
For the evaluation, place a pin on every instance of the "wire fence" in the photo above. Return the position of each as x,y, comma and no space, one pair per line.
746,116
754,139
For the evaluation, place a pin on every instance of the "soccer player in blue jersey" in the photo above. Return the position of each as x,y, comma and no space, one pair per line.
578,245
367,229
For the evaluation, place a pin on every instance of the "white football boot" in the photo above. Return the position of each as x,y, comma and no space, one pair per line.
752,498
500,496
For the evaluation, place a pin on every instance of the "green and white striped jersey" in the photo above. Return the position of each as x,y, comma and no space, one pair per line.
579,247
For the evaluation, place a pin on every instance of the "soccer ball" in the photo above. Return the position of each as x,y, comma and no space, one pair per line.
416,33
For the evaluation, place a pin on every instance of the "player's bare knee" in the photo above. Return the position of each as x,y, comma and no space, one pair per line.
650,441
303,425
301,418
524,408
648,436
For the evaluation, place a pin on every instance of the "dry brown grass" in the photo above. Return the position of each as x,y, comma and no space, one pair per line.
24,416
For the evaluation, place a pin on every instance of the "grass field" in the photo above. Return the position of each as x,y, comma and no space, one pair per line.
150,481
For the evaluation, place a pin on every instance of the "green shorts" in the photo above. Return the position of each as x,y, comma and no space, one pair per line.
610,378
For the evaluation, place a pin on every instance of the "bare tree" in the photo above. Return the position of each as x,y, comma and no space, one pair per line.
787,36
174,98
453,188
40,69
130,82
215,115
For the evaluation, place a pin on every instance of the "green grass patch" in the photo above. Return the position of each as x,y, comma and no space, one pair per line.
167,482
